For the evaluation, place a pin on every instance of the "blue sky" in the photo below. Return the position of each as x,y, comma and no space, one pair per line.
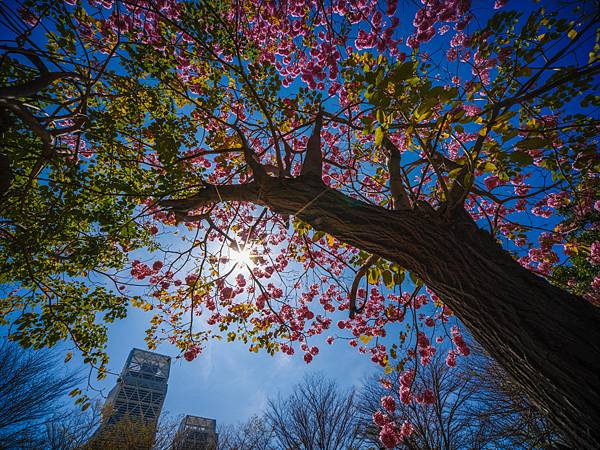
227,382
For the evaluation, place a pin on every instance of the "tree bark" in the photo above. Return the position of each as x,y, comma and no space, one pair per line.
546,338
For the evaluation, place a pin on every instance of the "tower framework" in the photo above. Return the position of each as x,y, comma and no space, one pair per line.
196,433
141,389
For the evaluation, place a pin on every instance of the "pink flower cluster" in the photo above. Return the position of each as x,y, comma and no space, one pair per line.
595,252
192,353
390,435
388,403
406,381
438,11
426,351
139,270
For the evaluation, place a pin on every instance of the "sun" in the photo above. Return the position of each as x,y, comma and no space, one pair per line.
243,256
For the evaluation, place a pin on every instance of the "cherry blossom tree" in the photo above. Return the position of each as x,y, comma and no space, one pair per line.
261,171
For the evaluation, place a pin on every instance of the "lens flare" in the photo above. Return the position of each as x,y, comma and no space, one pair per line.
243,257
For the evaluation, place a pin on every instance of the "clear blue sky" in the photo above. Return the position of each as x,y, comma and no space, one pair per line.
227,382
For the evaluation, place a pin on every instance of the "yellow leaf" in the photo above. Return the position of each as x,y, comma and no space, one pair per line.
68,357
365,339
330,240
572,34
378,136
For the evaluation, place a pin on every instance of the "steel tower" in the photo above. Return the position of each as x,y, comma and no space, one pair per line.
141,389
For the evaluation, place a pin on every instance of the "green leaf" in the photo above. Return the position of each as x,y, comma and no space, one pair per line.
388,279
521,158
533,143
455,172
403,71
416,280
373,275
379,135
488,167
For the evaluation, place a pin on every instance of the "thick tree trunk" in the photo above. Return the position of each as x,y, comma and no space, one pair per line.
546,338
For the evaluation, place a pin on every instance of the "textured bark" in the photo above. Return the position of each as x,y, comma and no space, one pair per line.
546,338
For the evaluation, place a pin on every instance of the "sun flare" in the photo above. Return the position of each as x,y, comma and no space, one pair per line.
243,257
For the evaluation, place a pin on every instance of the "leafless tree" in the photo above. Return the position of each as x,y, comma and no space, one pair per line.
316,415
504,415
255,434
477,406
32,385
80,431
74,430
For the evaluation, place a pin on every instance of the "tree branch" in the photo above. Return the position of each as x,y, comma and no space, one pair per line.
251,158
32,87
400,199
313,162
354,289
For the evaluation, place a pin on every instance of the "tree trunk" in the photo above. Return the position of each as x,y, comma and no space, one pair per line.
546,338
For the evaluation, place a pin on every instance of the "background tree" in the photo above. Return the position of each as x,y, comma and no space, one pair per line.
79,430
131,433
254,434
475,406
504,415
74,430
304,149
316,415
36,412
33,391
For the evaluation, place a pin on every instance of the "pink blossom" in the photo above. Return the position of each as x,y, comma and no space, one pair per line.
379,418
388,403
428,397
406,429
595,253
491,182
192,353
28,17
471,110
451,359
388,437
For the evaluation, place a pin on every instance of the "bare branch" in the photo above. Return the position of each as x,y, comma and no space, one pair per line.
34,86
251,158
400,199
313,161
359,275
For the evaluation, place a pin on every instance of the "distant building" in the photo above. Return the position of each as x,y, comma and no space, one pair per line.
196,433
141,389
133,406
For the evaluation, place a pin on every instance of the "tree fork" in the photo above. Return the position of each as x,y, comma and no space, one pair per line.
546,338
